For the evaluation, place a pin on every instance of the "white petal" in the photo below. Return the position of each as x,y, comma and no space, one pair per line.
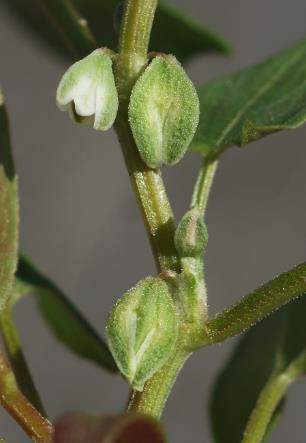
84,96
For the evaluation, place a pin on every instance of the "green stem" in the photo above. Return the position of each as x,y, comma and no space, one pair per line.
254,307
147,183
267,403
136,27
203,185
17,360
152,199
152,399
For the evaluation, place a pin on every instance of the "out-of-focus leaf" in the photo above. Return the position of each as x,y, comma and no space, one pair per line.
263,353
9,214
82,427
245,106
65,321
185,37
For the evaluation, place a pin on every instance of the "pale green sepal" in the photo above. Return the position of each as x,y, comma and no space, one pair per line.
142,330
191,235
163,112
88,92
191,292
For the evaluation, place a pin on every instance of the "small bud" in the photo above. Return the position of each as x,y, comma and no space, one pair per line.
88,91
191,235
142,330
163,112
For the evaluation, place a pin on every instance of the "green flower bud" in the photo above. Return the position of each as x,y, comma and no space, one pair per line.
191,235
163,112
88,91
142,330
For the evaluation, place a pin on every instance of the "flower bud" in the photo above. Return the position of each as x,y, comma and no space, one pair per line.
191,235
142,330
88,91
163,112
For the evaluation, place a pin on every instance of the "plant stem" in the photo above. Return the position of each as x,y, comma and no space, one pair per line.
17,360
203,184
32,422
147,183
152,399
267,403
136,27
152,199
254,307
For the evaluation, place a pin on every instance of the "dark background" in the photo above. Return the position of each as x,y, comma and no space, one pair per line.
79,221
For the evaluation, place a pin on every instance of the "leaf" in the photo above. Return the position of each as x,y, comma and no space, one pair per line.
263,353
9,209
65,321
82,427
187,37
245,106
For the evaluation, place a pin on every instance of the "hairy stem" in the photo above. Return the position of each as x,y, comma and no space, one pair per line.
18,406
147,183
268,401
254,307
17,360
156,391
136,27
152,199
203,185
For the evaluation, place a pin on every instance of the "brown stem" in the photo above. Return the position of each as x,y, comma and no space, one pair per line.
33,423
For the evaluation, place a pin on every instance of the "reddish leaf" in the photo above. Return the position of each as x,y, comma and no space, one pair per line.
83,427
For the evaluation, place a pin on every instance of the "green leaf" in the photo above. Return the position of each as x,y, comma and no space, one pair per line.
65,321
245,106
9,209
185,37
263,353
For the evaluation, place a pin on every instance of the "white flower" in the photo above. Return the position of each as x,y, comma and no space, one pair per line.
88,92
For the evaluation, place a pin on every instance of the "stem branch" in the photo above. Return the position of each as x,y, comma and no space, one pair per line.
203,184
268,401
254,307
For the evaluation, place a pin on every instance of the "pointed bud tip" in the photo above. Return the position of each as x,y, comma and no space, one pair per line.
191,235
163,112
142,330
